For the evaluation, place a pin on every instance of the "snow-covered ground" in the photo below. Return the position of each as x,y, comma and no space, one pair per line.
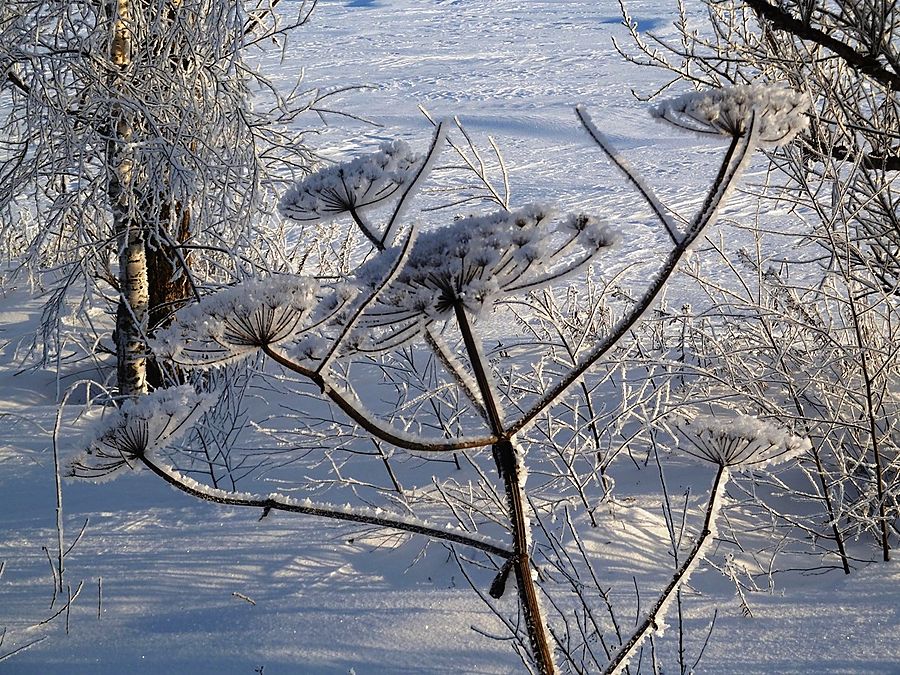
172,585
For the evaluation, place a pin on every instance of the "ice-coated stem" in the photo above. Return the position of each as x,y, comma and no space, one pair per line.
630,173
736,158
872,428
657,612
278,503
437,142
509,465
373,296
348,402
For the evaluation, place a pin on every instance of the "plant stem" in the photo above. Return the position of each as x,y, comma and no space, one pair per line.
650,622
541,649
872,424
510,467
277,503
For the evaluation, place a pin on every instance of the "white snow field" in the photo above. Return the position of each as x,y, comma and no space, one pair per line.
174,585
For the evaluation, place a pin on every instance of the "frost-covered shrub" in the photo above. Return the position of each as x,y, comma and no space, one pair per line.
728,442
839,181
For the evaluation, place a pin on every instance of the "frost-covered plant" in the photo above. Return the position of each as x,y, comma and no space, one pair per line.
352,187
358,186
839,180
729,111
237,322
455,274
739,441
816,353
137,430
729,442
475,262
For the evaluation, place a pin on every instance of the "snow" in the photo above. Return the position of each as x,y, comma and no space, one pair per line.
175,572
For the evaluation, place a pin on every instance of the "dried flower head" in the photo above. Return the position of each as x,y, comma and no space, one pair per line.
475,261
139,428
780,112
353,186
740,441
240,320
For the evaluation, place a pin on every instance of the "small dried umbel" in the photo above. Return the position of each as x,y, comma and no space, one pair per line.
139,428
474,262
236,322
352,187
740,441
781,112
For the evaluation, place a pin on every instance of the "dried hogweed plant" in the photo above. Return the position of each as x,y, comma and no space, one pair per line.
421,287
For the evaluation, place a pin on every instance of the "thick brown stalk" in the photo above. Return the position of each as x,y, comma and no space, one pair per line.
510,468
538,637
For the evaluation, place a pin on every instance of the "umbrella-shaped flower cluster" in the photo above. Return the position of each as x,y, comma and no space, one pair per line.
240,320
139,428
472,263
352,187
780,112
740,441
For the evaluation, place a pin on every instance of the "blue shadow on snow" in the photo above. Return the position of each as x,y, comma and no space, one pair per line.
642,24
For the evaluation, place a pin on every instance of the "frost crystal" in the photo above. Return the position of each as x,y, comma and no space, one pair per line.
239,320
742,441
351,187
728,111
475,261
139,428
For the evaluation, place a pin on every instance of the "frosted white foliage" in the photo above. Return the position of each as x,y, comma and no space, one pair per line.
352,186
138,428
238,321
474,262
740,441
781,112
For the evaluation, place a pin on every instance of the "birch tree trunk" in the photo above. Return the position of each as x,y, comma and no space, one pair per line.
134,298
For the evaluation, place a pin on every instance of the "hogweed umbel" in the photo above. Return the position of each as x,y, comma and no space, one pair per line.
781,112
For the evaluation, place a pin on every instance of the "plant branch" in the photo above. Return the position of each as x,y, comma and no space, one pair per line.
735,158
783,21
351,408
280,503
657,611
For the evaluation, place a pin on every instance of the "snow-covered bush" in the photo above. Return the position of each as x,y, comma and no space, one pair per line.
836,297
399,356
